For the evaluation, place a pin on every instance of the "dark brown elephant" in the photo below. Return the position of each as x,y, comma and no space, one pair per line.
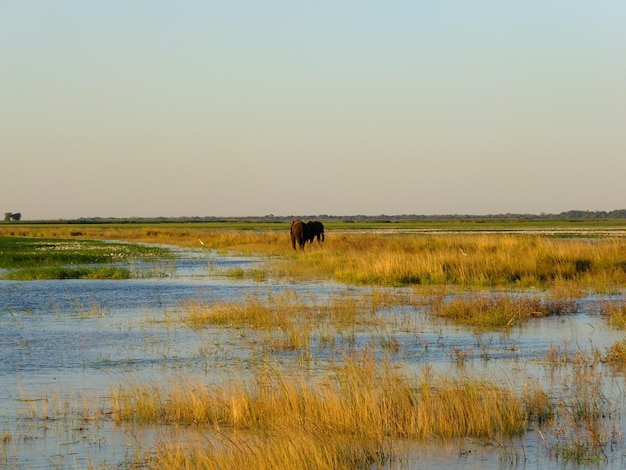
314,229
298,233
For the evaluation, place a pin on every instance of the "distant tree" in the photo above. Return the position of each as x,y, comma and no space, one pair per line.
10,216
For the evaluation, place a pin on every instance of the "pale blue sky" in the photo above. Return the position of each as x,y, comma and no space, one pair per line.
237,108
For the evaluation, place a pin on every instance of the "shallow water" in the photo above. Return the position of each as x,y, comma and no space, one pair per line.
68,342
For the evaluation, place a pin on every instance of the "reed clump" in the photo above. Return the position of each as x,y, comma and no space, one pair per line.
288,309
616,355
498,311
615,312
351,416
275,312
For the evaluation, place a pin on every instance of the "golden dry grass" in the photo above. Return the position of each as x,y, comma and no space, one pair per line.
459,259
346,420
498,311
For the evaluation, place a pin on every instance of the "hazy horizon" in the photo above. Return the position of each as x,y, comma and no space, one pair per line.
232,109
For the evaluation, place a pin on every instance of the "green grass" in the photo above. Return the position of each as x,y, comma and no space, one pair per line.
24,258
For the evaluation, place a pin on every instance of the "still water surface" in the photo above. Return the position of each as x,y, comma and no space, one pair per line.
75,339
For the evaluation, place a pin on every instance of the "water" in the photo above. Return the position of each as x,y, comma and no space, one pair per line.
65,344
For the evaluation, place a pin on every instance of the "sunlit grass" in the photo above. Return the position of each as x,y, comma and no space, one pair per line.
360,408
286,310
615,313
616,355
396,259
498,311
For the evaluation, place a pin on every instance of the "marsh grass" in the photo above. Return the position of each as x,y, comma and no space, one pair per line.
468,260
474,260
274,312
288,310
351,416
583,427
39,274
393,259
40,259
498,311
583,422
615,314
290,322
616,355
297,316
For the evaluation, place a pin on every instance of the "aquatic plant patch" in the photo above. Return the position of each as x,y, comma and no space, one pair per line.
43,258
499,311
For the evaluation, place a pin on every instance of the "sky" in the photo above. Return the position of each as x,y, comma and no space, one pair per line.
247,108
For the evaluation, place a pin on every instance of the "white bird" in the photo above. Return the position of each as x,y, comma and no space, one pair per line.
201,242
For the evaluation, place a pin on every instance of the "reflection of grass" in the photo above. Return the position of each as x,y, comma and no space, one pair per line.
346,420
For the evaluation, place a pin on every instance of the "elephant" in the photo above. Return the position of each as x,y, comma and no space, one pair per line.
314,229
302,232
298,233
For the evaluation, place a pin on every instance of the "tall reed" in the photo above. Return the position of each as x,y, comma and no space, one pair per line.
351,416
498,311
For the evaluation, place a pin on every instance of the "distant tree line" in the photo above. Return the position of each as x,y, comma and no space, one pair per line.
568,215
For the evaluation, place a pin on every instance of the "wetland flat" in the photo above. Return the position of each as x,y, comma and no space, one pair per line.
70,348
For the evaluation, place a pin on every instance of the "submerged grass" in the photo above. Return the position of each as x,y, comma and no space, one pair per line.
288,309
